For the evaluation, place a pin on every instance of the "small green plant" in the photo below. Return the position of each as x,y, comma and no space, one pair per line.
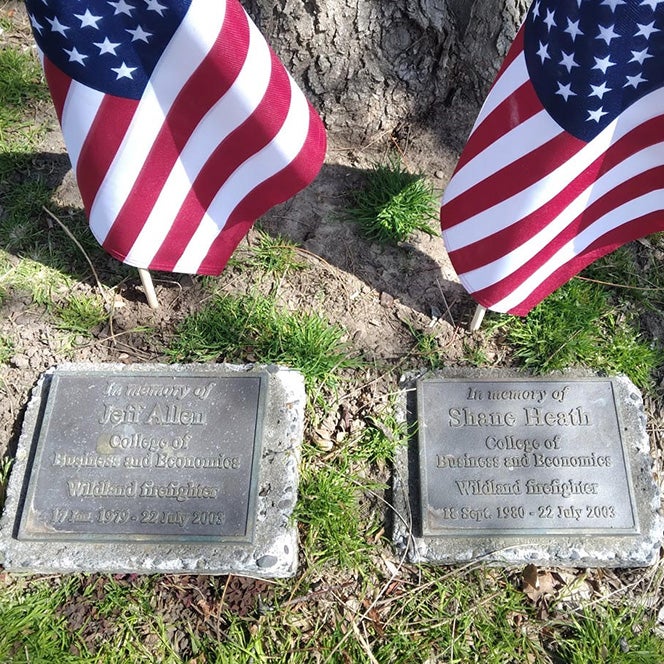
5,468
81,314
579,325
394,204
475,354
274,255
379,440
609,634
252,327
6,348
427,349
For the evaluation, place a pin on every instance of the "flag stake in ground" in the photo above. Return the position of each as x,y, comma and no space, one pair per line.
148,288
478,317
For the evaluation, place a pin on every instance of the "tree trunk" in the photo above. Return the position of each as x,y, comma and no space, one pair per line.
383,66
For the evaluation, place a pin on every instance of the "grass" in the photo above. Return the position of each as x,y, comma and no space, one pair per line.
46,621
81,314
378,441
33,627
333,494
6,348
35,277
47,262
254,328
427,351
633,275
459,616
28,232
394,204
5,468
21,87
328,506
22,225
274,255
610,634
581,325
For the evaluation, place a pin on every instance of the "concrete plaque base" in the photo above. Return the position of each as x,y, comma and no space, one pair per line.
513,469
157,468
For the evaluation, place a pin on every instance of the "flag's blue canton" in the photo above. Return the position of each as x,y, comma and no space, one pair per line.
109,45
591,59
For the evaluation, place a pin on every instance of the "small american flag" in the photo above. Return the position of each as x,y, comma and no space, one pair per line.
181,124
565,162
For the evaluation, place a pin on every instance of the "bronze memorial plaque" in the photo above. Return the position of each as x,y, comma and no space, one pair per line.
145,456
522,457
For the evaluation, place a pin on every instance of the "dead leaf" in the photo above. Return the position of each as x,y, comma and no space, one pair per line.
537,584
530,582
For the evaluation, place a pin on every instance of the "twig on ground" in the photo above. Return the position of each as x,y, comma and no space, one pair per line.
109,305
447,306
614,285
72,237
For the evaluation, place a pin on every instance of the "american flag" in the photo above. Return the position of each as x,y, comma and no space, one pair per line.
181,124
565,162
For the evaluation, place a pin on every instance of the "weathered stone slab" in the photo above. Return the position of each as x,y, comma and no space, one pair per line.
154,468
514,469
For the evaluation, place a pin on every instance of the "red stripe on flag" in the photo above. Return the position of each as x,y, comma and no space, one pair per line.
280,187
58,85
510,180
250,137
101,143
517,108
211,80
512,54
610,241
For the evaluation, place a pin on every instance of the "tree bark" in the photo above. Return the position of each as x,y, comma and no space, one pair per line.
373,66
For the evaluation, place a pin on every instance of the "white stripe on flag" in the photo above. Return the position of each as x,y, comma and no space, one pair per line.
497,270
514,76
510,210
78,114
502,152
503,214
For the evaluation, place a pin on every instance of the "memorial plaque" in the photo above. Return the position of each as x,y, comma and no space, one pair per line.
523,457
139,455
525,469
148,468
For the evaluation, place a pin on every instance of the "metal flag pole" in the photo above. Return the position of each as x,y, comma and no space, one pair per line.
477,318
148,287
